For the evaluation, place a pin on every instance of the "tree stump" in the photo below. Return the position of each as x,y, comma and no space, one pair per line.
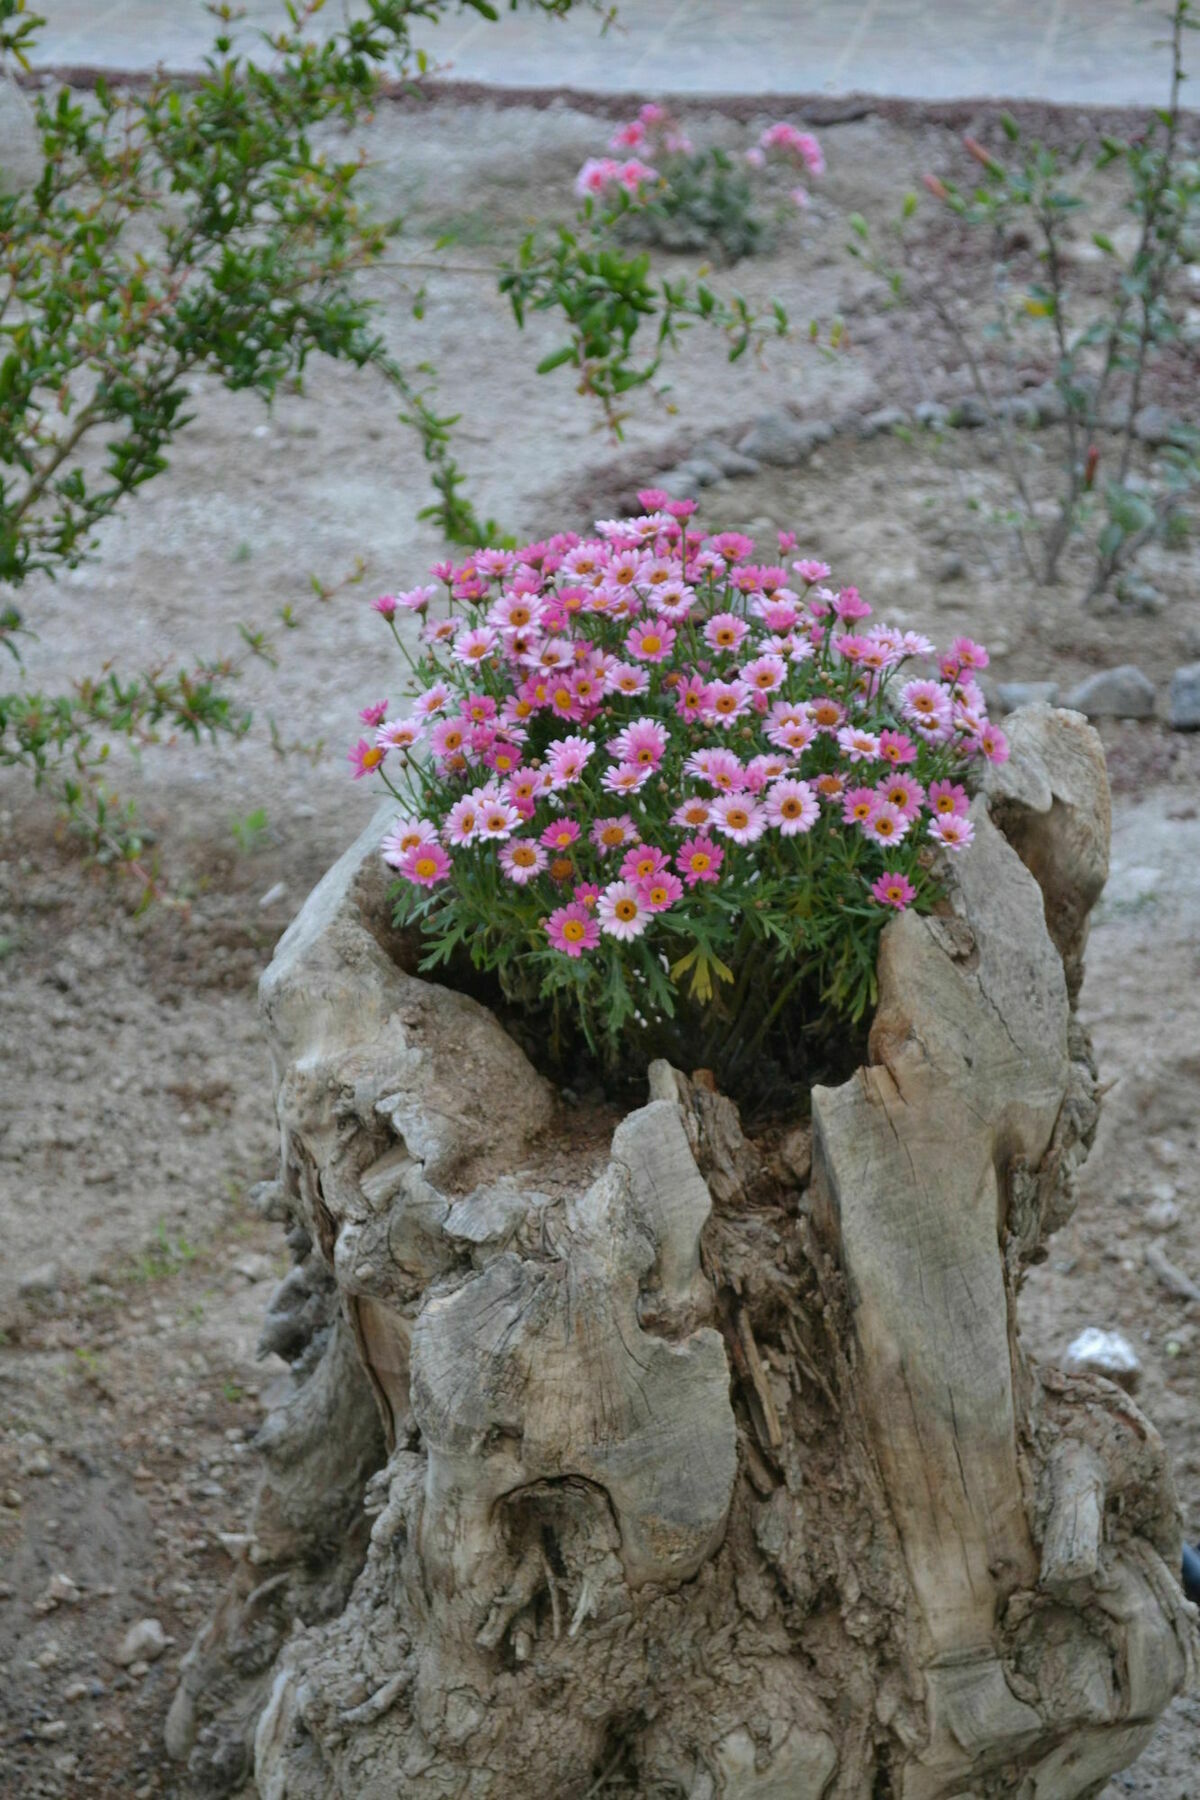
635,1455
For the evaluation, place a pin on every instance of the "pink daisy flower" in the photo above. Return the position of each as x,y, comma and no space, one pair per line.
613,833
475,645
572,929
904,793
720,768
896,749
762,770
858,804
426,865
792,807
643,861
739,818
560,834
725,631
643,741
886,825
366,759
825,713
566,760
374,715
859,746
626,778
693,815
448,738
993,744
947,799
406,835
623,678
623,912
765,674
650,643
661,891
893,889
522,860
387,604
850,605
433,701
498,818
691,697
810,571
398,734
726,703
463,821
951,831
699,859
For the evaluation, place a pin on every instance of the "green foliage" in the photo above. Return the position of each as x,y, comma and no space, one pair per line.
1101,354
176,230
606,296
705,202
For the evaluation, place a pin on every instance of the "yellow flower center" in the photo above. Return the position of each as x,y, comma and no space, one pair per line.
573,930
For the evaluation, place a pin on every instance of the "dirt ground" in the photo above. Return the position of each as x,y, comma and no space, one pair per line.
135,1106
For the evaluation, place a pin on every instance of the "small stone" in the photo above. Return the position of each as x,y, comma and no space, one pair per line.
1011,694
1019,408
887,418
969,413
12,1497
1107,1353
1050,405
727,459
75,1690
1173,1279
42,1280
60,1591
779,439
254,1267
1156,426
1141,596
951,567
930,414
796,1151
1121,693
48,1655
53,1729
1184,705
38,1463
272,895
1162,1215
143,1642
685,480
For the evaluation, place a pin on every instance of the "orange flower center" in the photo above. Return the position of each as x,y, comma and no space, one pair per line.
626,909
573,930
426,865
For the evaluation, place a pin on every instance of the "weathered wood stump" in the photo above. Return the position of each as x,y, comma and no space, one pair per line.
712,1464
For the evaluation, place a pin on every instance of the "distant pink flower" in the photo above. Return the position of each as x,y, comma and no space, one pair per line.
762,770
894,889
650,643
948,800
792,807
415,600
398,734
596,174
387,604
699,859
756,157
732,545
464,821
587,893
691,697
374,715
366,759
634,175
652,498
886,825
572,929
560,834
624,678
628,137
623,912
522,860
613,833
799,198
968,654
432,701
738,817
951,831
720,768
850,605
810,571
426,865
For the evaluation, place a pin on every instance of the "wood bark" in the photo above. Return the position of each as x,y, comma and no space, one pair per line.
696,1466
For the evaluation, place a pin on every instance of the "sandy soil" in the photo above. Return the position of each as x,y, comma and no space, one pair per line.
135,1109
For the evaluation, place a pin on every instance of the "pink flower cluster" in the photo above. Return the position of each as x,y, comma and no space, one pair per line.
655,134
610,729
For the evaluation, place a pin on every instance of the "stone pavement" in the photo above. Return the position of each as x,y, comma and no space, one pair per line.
1089,51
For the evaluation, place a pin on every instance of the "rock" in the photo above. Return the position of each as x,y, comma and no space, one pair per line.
687,478
1162,1214
20,141
728,460
1173,1279
779,439
1121,693
951,567
273,894
42,1280
1050,406
1011,694
143,1642
969,413
254,1267
1155,425
75,1690
1141,596
60,1591
1107,1353
1019,408
930,414
888,418
1184,705
52,1730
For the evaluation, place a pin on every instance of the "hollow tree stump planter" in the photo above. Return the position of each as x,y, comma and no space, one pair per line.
717,1469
